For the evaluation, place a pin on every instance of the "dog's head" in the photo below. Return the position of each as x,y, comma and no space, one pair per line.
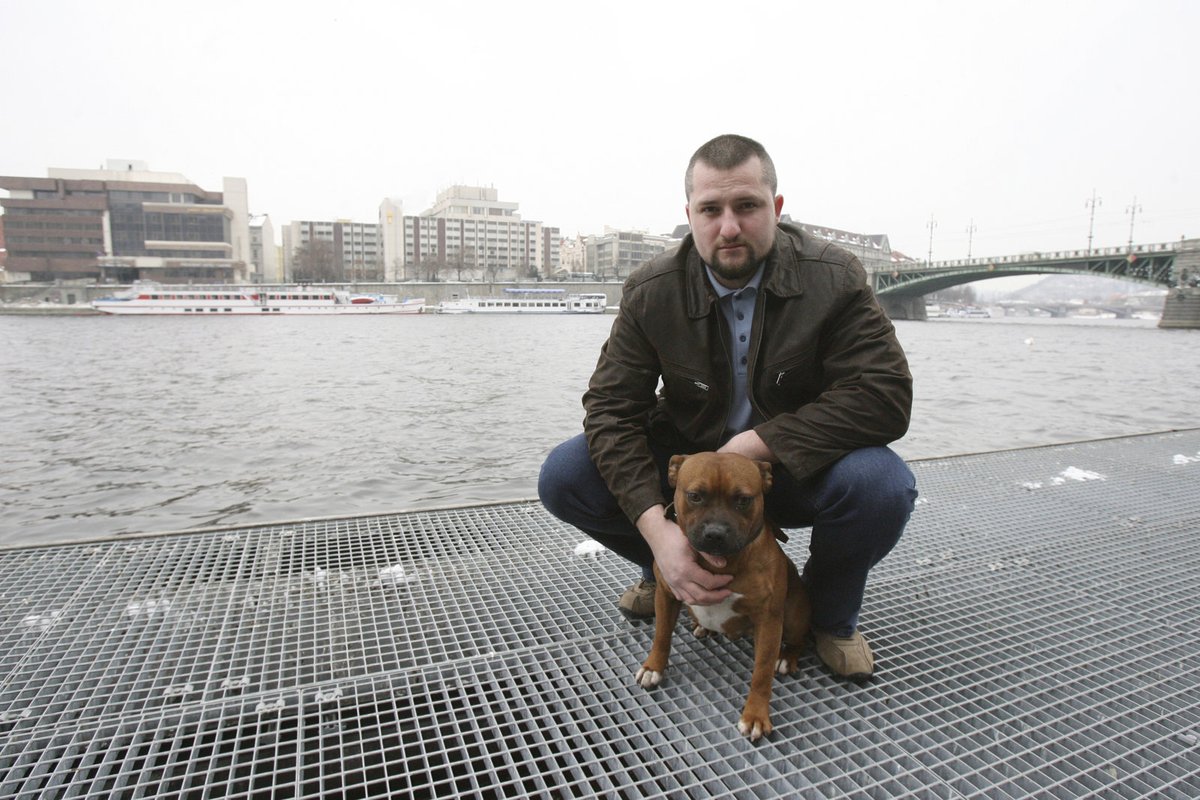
719,499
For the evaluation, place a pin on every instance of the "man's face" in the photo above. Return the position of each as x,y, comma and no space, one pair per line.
733,216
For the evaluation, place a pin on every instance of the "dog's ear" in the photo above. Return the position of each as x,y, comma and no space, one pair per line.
673,470
764,469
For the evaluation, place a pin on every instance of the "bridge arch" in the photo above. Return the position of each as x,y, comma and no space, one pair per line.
901,290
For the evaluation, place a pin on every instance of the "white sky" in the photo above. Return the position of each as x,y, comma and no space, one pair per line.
878,114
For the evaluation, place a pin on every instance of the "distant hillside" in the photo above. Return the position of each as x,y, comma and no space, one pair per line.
1073,287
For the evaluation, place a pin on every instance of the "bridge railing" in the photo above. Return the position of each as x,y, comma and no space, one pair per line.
1056,255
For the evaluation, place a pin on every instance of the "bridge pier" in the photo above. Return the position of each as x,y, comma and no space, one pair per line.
897,307
1181,309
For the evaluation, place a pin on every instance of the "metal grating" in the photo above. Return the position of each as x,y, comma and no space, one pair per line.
1037,633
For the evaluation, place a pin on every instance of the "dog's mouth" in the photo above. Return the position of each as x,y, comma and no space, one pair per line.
715,546
713,560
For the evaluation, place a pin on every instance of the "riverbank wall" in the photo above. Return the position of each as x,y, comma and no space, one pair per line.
434,292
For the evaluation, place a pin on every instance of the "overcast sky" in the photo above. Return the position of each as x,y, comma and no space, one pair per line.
879,115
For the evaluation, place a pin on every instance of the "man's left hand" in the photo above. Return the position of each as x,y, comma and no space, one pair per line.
749,444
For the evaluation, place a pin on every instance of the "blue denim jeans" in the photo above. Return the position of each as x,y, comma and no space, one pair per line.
857,508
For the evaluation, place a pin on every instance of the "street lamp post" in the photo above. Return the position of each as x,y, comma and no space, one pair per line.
931,225
1132,211
1092,203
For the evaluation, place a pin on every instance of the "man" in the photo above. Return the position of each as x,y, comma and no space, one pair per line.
770,344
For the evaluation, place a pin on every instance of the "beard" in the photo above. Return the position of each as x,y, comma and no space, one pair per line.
738,267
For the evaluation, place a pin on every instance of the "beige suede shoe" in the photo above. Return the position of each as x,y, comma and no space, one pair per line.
637,603
847,657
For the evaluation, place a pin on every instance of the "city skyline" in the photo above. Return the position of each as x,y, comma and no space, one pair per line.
997,123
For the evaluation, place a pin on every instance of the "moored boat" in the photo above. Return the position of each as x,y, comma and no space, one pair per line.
148,298
528,301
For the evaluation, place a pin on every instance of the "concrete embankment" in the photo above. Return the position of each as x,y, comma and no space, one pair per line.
48,310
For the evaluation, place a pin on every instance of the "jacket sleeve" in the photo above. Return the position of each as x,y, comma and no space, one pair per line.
620,396
866,399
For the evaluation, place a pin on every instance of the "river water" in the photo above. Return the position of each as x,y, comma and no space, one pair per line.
117,425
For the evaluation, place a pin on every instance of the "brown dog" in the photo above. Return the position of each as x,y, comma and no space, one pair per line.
719,506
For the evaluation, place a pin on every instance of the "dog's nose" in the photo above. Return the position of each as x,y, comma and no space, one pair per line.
716,538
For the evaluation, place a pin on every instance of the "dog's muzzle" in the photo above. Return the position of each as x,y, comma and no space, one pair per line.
716,537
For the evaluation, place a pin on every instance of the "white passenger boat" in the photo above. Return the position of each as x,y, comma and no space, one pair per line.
151,298
528,301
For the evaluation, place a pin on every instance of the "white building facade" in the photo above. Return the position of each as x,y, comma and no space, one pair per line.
467,233
264,256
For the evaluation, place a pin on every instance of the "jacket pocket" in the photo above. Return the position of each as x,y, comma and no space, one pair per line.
682,384
793,380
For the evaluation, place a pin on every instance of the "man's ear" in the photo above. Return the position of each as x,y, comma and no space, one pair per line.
673,469
764,469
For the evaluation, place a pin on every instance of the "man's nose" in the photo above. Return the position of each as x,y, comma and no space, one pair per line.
730,229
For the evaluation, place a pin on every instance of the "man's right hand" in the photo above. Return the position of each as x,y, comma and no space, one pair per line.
679,564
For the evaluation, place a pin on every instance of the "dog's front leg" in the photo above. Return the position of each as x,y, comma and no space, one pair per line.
666,613
768,634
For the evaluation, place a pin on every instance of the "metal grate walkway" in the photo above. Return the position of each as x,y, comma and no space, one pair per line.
1037,633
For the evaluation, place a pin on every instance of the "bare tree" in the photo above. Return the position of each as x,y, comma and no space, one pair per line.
432,265
315,262
460,262
492,269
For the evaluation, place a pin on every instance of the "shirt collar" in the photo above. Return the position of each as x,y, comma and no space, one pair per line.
724,291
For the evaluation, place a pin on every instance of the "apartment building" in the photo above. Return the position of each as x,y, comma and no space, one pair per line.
467,233
354,247
613,254
124,223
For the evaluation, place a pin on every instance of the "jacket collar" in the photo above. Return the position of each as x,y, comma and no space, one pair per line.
782,277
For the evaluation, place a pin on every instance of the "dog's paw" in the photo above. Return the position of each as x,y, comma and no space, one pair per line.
648,678
753,727
785,666
700,631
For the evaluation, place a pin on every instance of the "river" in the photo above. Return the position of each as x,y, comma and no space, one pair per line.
118,425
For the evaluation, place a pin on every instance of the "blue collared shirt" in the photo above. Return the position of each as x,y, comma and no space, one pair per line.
738,307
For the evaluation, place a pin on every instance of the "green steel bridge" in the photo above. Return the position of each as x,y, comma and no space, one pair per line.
902,289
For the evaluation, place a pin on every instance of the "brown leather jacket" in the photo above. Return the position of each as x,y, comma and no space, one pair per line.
826,372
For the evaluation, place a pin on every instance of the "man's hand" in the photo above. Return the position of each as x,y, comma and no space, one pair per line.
749,444
680,565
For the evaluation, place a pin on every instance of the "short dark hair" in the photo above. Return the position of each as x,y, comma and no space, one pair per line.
728,151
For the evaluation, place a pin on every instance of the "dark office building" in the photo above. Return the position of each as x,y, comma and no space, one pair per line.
122,224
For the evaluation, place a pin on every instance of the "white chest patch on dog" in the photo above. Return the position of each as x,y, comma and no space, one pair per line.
715,616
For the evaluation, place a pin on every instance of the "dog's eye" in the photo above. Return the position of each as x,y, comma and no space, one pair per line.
741,503
695,498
